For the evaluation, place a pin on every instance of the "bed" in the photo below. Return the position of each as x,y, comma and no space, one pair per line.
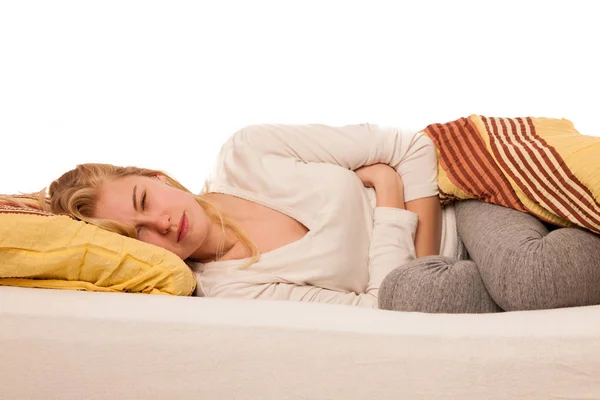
67,345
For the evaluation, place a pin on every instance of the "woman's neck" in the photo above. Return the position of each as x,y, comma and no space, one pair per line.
219,240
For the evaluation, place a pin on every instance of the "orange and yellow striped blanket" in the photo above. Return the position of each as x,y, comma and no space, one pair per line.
541,166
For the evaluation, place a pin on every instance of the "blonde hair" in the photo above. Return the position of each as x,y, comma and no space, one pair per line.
34,200
75,193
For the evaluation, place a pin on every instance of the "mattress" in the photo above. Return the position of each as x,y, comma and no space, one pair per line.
81,345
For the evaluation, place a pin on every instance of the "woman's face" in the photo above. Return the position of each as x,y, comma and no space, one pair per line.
163,215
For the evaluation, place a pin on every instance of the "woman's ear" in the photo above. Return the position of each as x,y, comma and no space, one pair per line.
161,178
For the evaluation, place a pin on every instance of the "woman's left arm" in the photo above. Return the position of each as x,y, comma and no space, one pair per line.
429,227
412,154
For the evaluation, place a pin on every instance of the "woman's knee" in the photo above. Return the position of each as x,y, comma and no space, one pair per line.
561,269
525,266
436,284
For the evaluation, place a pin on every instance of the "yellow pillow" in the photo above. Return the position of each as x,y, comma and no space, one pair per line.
43,250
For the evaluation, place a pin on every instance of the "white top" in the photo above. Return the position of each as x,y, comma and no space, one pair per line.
306,172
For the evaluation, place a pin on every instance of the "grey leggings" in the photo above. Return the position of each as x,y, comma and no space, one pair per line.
517,263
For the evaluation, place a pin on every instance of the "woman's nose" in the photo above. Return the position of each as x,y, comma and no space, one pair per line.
161,223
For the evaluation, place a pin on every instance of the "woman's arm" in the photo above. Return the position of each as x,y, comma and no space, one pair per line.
394,227
411,154
389,190
429,228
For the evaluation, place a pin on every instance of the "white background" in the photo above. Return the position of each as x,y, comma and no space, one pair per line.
161,84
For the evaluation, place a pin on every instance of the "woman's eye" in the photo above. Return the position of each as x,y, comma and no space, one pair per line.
143,202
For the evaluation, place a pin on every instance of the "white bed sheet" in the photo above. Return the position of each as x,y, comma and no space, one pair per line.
79,345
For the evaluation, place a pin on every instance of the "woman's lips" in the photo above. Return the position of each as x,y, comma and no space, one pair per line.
183,227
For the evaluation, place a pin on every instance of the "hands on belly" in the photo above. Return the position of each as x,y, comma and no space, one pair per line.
388,185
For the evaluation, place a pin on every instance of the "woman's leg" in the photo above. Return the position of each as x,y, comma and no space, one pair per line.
525,266
436,284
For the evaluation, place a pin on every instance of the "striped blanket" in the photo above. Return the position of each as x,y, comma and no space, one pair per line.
541,166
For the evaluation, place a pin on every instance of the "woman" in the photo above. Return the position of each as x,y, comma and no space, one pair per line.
319,213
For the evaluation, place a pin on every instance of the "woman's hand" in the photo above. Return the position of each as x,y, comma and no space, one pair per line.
390,193
387,183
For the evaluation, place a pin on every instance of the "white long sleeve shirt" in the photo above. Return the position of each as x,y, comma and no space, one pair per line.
306,172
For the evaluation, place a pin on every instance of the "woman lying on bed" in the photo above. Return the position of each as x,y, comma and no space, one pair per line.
345,215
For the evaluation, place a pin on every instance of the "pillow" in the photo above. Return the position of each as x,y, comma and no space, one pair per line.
541,166
43,250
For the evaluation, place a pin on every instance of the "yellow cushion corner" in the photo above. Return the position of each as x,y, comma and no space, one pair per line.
52,251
